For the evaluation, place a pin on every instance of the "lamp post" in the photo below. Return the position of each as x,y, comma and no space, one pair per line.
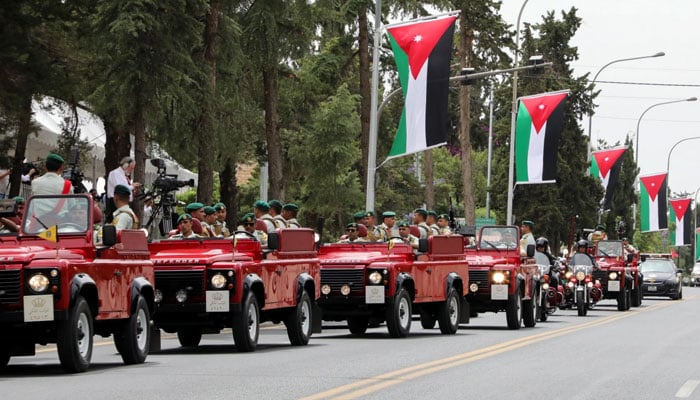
636,139
695,227
595,77
668,163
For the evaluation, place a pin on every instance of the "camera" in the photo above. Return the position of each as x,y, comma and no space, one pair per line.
167,182
163,197
73,172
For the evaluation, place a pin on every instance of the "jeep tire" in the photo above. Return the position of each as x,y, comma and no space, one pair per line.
398,315
513,307
358,325
135,335
189,336
246,325
528,312
448,314
74,337
298,321
622,298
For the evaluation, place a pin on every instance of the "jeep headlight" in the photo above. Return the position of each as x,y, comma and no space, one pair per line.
580,275
613,276
498,277
39,283
181,296
218,281
375,278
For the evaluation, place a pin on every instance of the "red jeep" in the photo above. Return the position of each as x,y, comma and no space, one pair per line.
618,274
500,279
388,282
64,289
206,285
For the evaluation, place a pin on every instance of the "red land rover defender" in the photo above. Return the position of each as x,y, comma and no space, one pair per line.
618,274
56,286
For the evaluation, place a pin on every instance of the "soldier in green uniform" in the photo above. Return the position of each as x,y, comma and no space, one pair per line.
419,217
184,225
432,222
289,213
276,213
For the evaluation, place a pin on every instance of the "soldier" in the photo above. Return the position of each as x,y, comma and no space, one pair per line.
432,222
248,223
209,222
289,213
276,213
123,217
374,234
353,234
443,224
196,211
627,248
220,228
51,183
405,235
419,217
360,217
261,211
388,226
184,225
526,236
598,234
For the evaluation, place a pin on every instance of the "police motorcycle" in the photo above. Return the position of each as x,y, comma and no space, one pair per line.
551,292
583,290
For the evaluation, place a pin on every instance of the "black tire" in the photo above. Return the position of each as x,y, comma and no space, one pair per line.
513,307
358,325
4,355
246,325
398,315
298,322
581,303
74,337
448,314
622,298
189,337
135,336
427,319
636,297
528,312
542,307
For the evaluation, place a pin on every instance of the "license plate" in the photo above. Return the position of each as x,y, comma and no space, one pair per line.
38,308
499,292
651,288
614,286
374,294
217,301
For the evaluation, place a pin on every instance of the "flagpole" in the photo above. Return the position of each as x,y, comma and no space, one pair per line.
695,228
373,121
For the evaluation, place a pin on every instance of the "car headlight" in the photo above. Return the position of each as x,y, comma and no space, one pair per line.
375,278
473,287
580,275
181,295
39,283
498,277
345,290
613,276
218,281
325,289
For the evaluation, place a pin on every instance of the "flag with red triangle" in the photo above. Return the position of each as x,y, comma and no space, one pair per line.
697,244
652,192
606,165
682,215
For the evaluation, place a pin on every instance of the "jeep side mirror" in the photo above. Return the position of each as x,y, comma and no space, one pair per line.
422,245
530,250
273,241
109,235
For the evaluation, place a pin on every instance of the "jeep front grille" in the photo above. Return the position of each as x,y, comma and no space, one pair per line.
481,278
10,286
337,277
169,282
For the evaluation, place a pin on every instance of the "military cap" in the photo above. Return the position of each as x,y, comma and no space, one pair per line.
528,223
433,213
369,213
444,216
388,214
184,216
600,227
262,205
352,225
403,224
290,207
194,206
122,189
249,217
209,210
18,199
276,204
55,158
219,206
421,211
359,215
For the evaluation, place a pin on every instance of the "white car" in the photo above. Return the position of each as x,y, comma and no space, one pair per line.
695,275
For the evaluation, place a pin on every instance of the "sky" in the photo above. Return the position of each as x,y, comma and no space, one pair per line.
616,29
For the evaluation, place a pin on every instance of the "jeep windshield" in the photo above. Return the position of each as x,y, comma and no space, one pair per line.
498,237
609,249
69,214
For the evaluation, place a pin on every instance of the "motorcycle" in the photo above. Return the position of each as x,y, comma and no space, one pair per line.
551,292
583,290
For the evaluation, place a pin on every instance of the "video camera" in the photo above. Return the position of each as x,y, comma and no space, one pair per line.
164,182
73,172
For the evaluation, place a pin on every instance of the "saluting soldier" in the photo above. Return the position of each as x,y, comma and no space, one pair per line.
289,213
419,217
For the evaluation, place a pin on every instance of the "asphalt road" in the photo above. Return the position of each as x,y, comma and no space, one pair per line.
650,352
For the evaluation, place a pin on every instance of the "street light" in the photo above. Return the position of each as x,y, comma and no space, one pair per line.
668,160
636,139
590,116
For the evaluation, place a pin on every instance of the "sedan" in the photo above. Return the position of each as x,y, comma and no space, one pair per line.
661,278
695,275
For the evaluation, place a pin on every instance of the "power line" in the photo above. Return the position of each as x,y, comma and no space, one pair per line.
650,84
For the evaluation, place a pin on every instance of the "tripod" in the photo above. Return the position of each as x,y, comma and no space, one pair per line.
162,215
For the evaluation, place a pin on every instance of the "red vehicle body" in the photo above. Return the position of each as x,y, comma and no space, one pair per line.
206,285
500,279
377,282
68,291
618,274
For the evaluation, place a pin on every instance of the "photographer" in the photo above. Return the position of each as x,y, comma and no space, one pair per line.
120,176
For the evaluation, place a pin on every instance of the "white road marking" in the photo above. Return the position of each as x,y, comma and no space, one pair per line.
687,389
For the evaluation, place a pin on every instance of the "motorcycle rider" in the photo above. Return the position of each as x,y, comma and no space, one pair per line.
581,256
542,246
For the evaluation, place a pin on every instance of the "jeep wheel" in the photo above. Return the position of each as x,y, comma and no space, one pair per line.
636,297
135,335
529,311
427,319
515,304
358,325
622,298
189,337
398,315
448,314
246,325
581,303
4,355
74,337
542,307
298,322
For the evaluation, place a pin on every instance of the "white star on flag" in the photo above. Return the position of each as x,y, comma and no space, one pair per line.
418,38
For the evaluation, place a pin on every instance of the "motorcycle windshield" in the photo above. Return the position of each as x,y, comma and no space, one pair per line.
543,262
581,259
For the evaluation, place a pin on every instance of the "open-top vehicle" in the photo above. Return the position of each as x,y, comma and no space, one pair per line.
374,282
57,286
618,274
206,285
500,279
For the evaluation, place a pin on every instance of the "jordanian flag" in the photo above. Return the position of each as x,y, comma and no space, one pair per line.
683,216
697,244
539,124
606,165
653,202
422,51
